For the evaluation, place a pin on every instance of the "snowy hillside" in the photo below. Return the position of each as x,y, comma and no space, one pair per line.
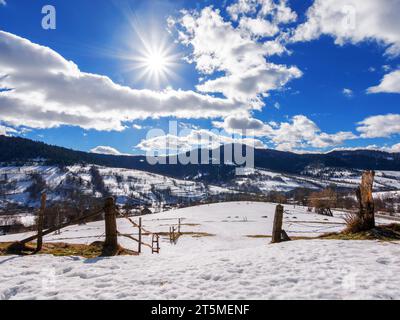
125,184
317,179
17,183
225,254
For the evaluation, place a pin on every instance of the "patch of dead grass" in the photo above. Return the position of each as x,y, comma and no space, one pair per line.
264,236
194,234
61,249
389,232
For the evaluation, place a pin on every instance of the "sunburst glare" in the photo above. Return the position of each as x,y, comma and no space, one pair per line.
155,62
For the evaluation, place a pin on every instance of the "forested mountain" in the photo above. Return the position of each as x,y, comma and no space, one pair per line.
19,151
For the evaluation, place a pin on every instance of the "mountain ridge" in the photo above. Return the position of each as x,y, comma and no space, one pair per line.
22,150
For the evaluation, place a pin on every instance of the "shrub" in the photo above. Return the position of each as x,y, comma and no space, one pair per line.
353,223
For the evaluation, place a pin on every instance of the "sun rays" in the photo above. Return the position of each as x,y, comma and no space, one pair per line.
155,62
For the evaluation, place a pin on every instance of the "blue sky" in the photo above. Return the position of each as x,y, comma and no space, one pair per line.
333,81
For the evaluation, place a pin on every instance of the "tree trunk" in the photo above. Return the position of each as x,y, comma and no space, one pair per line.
366,201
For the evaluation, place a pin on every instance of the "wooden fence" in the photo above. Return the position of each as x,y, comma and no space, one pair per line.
155,241
111,232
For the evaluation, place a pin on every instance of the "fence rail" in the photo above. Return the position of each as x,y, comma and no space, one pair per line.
155,245
111,246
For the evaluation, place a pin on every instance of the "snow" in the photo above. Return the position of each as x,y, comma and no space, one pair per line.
122,183
228,265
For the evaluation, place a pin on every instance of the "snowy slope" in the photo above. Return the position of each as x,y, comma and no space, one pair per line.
134,184
316,179
122,183
227,265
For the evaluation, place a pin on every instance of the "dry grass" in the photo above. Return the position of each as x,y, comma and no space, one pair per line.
389,232
353,223
316,222
93,250
182,224
193,234
258,236
264,236
200,234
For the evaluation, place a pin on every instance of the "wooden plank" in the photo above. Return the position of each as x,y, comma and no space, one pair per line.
134,223
134,239
62,226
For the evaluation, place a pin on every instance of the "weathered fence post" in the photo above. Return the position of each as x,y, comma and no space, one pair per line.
277,228
179,226
366,202
111,242
39,243
140,236
58,232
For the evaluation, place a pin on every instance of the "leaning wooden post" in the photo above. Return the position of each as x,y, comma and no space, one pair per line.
140,236
179,226
277,228
366,213
111,242
39,243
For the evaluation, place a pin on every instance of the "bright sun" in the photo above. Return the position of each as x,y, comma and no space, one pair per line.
155,63
152,59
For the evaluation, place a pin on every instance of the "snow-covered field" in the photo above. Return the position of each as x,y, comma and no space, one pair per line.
227,264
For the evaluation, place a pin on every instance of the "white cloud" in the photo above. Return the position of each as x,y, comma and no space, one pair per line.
258,27
381,126
243,122
389,84
395,148
238,60
302,133
195,139
354,21
137,127
106,150
277,11
48,91
348,92
299,133
3,2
